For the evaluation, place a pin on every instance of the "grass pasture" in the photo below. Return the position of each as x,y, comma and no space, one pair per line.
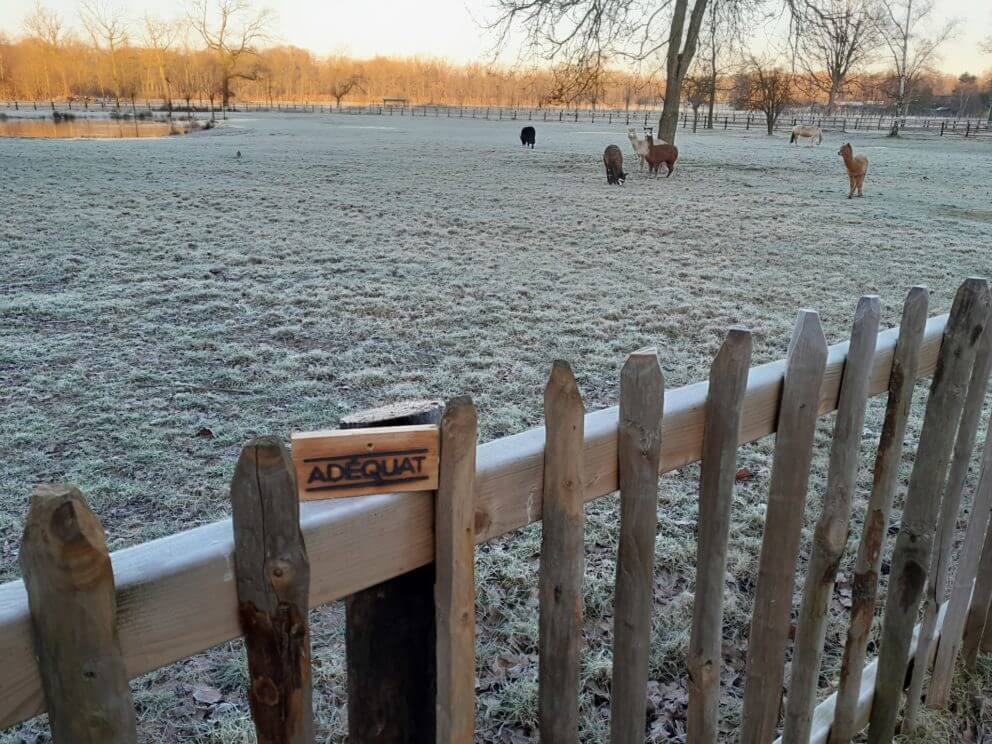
163,301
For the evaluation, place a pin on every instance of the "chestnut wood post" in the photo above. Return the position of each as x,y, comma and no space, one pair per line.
830,535
454,593
721,432
902,380
70,586
390,631
769,636
562,560
642,399
914,542
272,573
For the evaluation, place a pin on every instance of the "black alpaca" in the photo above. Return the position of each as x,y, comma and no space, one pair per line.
528,136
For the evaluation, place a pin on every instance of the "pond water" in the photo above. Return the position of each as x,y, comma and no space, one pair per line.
85,127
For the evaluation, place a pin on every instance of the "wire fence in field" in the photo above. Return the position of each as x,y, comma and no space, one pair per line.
723,118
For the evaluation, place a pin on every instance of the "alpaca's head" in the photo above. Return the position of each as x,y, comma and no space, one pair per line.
621,178
845,151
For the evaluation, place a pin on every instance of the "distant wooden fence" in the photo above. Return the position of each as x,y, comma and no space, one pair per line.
723,119
82,621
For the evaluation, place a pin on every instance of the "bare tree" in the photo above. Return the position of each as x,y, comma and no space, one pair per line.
232,31
832,39
696,91
766,88
106,25
912,53
47,28
342,86
159,37
586,35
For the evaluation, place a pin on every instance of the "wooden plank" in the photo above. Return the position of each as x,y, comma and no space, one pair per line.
177,597
562,561
70,586
272,574
390,626
825,711
360,462
978,612
642,397
868,564
911,556
830,533
769,634
454,589
964,582
950,506
724,406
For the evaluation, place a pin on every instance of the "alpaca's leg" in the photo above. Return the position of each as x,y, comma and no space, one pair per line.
852,181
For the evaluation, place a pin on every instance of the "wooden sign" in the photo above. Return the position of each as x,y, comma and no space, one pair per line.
358,462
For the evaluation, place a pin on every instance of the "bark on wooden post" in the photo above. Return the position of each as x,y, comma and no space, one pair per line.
978,612
964,580
902,381
454,594
273,580
70,586
830,534
389,633
642,398
964,447
724,405
769,634
911,557
562,560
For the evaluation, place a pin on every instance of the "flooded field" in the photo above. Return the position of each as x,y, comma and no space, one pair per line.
93,128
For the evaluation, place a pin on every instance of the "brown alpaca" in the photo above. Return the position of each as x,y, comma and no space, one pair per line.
658,154
857,167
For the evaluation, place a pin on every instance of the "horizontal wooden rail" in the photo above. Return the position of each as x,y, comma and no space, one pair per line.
176,596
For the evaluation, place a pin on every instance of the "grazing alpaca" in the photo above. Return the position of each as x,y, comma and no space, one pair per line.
640,146
527,137
658,154
613,160
810,133
857,167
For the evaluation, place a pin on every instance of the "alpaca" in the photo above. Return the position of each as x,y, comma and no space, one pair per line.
640,146
658,154
857,167
613,160
527,137
810,133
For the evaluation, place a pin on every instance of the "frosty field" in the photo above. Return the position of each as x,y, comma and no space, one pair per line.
162,301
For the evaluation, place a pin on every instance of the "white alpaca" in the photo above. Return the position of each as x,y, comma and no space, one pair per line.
640,146
813,134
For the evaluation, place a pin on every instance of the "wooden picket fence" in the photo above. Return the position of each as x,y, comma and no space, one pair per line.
83,621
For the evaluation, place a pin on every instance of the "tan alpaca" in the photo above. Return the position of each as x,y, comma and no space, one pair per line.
857,167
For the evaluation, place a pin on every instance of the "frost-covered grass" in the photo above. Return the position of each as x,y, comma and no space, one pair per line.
163,301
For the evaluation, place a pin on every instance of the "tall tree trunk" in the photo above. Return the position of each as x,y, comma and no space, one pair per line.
832,97
679,59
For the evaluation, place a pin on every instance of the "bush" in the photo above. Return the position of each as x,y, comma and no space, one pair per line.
63,116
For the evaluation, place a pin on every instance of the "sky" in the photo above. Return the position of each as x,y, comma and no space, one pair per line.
452,29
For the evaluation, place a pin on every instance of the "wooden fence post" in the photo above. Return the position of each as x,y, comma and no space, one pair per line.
964,447
273,580
389,635
642,399
721,431
964,579
902,380
911,557
769,634
830,535
70,584
454,594
562,560
981,600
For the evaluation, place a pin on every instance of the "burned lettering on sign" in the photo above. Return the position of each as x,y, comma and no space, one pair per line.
360,462
374,469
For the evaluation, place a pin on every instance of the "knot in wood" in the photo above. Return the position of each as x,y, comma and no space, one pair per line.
280,573
265,691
